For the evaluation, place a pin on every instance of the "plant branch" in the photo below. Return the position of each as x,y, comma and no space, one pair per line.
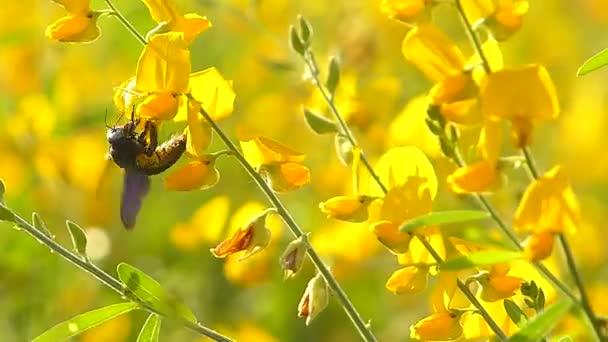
109,280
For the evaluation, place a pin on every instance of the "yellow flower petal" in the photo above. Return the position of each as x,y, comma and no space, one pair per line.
164,64
347,208
508,19
198,131
549,204
497,287
389,235
215,93
489,145
404,10
191,24
440,326
478,177
73,29
261,150
196,175
539,245
411,280
162,10
526,92
432,51
159,106
284,177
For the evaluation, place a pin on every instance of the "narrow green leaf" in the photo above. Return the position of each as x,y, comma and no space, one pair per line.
517,316
433,126
319,124
595,62
540,301
333,77
6,214
149,291
306,30
296,43
444,217
2,191
565,339
150,330
484,258
79,324
40,225
541,324
344,149
79,238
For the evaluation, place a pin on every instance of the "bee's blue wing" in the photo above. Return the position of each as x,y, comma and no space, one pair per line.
135,188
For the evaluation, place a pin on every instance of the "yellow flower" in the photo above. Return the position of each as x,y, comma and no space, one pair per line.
277,164
523,96
252,238
293,257
79,26
165,13
314,300
549,204
502,17
347,208
496,284
539,245
440,326
411,279
478,177
405,10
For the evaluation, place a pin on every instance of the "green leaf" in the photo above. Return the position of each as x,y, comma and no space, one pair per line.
595,62
541,324
306,30
333,77
79,324
2,190
150,330
517,316
6,214
444,217
344,149
79,238
319,124
40,225
485,258
540,301
296,43
149,291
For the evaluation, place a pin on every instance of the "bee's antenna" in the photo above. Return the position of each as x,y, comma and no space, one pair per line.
105,120
119,117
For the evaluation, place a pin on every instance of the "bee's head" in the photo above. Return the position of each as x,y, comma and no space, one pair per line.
117,134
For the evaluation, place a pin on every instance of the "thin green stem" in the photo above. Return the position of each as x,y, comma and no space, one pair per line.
126,23
473,37
310,60
363,328
569,257
109,280
467,292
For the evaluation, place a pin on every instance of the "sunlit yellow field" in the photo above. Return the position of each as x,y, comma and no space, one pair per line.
346,170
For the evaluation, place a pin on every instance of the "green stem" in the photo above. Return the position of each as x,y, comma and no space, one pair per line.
310,60
473,37
569,257
467,292
109,280
126,23
363,328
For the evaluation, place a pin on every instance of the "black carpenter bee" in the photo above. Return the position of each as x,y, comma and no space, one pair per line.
140,156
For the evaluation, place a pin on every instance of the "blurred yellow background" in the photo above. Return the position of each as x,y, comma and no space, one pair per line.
54,96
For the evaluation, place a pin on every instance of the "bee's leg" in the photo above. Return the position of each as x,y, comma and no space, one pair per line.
149,130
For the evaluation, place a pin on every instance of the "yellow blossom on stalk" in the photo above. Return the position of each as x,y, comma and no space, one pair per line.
166,14
496,284
80,25
315,298
277,164
524,96
406,10
549,204
502,17
347,208
411,279
440,326
478,177
539,245
252,238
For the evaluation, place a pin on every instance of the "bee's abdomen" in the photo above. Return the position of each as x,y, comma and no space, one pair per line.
164,156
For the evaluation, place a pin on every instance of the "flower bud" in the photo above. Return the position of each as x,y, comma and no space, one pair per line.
252,238
293,257
315,298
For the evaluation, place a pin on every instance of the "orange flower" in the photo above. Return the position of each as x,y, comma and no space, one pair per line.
252,238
